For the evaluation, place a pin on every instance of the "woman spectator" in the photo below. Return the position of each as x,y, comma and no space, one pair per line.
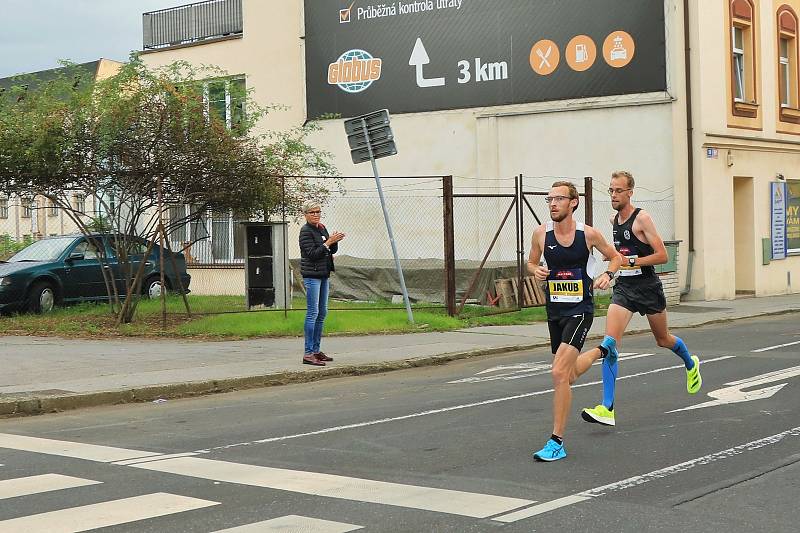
317,247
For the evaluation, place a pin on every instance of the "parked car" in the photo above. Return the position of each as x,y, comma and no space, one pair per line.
64,269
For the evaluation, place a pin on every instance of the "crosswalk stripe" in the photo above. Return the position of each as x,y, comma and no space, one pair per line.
104,514
541,508
25,486
332,486
293,524
78,450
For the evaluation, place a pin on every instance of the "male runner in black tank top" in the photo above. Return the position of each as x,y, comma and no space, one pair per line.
637,290
567,248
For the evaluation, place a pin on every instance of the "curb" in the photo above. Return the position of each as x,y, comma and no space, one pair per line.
14,407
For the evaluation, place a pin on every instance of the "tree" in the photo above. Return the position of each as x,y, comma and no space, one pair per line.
143,140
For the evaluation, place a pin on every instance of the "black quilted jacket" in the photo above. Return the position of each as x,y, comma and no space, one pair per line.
316,261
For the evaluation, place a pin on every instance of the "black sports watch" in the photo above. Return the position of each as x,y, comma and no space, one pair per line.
632,261
610,275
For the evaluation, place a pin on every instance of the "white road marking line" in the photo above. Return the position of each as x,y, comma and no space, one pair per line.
78,450
104,514
294,524
661,473
159,457
529,370
541,508
348,488
25,486
733,393
775,347
443,409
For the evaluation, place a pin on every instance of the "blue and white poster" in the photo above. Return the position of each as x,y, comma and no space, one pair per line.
777,192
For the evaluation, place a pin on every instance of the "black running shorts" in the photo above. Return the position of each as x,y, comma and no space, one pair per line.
570,330
645,297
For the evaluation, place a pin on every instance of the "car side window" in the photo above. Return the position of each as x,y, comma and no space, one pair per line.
89,250
134,245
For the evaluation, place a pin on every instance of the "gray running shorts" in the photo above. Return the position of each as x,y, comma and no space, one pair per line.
645,296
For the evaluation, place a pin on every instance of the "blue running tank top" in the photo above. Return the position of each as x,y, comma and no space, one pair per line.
569,284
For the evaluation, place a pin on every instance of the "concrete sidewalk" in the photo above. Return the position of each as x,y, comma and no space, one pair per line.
44,374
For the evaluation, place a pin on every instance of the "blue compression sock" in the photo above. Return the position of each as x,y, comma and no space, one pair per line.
683,352
609,383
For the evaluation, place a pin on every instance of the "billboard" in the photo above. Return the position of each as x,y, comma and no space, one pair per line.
428,55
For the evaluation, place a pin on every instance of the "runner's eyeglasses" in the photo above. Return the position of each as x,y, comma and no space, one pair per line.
617,191
559,199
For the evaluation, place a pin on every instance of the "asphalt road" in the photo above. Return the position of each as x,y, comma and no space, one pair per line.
445,449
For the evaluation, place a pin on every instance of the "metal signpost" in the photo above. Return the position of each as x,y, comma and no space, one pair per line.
370,138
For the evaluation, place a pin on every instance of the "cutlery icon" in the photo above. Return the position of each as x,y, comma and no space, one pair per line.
544,56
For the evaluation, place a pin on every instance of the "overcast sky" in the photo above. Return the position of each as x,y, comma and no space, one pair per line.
35,34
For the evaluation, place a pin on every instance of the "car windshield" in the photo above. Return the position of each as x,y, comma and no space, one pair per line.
45,250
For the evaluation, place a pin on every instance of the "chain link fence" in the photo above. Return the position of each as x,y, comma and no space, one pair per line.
490,238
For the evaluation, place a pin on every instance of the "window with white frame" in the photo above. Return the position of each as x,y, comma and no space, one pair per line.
52,210
3,207
788,81
225,100
743,58
27,208
739,81
208,237
79,203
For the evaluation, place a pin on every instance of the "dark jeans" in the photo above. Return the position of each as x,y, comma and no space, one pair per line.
316,311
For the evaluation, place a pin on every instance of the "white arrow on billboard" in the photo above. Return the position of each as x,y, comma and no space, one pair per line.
733,393
419,57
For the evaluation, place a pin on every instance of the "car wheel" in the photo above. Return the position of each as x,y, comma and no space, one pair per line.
152,288
42,298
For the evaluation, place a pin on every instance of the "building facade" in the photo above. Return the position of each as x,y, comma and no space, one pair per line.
697,98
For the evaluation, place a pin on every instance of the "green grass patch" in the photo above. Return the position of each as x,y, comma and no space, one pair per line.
219,317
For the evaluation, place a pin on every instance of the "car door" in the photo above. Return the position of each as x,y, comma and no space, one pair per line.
135,249
83,271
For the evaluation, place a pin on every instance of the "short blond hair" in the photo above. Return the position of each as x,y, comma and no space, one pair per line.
308,205
624,174
573,191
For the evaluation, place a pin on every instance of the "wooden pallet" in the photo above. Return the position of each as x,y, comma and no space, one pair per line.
532,292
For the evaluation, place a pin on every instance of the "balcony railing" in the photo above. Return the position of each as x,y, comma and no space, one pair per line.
191,23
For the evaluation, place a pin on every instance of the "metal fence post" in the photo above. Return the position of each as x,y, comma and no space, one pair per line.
520,243
587,198
449,246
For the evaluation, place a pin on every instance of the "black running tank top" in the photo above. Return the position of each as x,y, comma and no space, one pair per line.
626,243
569,285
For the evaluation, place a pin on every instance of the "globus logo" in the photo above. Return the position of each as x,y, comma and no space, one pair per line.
354,71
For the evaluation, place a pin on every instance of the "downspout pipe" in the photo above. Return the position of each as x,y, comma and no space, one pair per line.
689,142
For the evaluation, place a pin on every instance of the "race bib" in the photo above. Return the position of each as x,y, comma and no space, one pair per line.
565,286
626,270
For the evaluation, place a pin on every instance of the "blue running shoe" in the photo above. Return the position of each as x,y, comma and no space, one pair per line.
552,451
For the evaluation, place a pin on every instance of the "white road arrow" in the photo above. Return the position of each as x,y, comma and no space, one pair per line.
419,57
733,393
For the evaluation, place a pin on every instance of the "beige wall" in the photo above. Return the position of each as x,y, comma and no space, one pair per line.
270,54
743,152
217,281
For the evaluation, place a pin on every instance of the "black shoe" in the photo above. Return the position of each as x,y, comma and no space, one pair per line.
322,356
310,359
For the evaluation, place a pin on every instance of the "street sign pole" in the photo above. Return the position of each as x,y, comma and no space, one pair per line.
388,223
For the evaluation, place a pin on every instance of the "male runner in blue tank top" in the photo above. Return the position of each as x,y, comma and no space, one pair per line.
637,290
567,248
